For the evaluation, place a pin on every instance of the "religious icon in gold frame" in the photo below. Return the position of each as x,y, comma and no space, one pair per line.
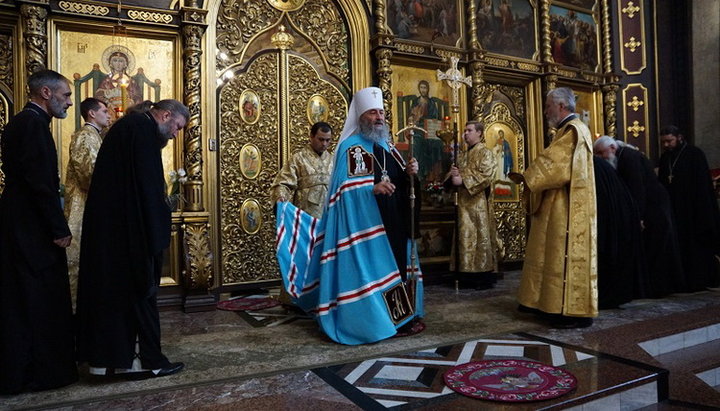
95,60
318,109
251,216
249,106
250,161
502,141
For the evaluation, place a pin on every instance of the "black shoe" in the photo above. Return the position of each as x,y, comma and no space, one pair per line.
567,323
525,309
171,369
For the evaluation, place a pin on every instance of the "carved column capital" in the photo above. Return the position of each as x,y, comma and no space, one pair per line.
34,27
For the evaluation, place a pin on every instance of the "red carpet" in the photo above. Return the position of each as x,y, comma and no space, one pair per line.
247,304
509,380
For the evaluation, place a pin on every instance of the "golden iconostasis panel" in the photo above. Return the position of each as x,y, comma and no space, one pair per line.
506,123
96,62
311,99
249,157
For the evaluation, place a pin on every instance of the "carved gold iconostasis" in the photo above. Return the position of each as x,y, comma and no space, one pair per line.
276,78
257,74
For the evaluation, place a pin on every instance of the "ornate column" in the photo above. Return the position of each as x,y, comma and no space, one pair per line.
479,91
611,87
384,55
198,267
34,26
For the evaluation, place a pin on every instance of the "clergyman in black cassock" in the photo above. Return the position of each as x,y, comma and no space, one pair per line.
36,332
684,171
126,227
660,245
621,267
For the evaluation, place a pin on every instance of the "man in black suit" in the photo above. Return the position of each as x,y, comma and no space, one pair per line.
36,332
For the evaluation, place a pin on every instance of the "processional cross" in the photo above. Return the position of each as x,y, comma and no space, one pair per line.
455,80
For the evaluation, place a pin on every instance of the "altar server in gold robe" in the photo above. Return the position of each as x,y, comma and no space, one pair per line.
304,179
559,278
84,146
472,178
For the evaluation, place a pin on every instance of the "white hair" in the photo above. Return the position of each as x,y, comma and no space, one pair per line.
606,141
563,95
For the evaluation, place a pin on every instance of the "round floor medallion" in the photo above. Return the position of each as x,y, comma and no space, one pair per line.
509,380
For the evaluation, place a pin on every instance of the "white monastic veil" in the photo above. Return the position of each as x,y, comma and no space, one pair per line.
364,100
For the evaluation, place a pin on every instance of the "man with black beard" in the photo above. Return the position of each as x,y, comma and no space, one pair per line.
36,333
348,269
126,227
661,249
684,171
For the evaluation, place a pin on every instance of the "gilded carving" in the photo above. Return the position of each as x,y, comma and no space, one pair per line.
153,17
607,45
192,36
6,63
410,48
636,129
34,20
528,67
510,215
545,18
379,14
635,104
3,121
567,73
287,5
630,10
384,73
198,256
632,45
83,8
246,257
478,89
304,86
551,81
321,21
472,26
610,100
494,61
446,55
237,22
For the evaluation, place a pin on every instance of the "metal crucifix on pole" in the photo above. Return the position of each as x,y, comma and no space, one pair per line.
455,80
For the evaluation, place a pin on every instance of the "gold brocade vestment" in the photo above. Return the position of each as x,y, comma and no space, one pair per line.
475,219
560,270
303,180
84,146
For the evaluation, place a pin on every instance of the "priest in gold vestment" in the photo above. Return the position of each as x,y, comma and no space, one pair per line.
304,179
559,278
84,146
472,178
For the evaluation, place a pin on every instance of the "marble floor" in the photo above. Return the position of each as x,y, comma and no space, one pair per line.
665,350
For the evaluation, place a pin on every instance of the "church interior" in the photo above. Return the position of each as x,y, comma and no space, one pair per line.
257,74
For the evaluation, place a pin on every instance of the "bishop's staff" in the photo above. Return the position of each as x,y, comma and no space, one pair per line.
412,278
455,80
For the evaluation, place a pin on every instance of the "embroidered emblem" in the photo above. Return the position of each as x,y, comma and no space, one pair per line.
360,162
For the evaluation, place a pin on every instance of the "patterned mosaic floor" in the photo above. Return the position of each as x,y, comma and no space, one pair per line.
415,380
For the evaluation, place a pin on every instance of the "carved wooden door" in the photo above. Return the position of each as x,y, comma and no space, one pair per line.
287,76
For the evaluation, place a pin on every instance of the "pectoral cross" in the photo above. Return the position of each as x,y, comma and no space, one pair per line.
455,80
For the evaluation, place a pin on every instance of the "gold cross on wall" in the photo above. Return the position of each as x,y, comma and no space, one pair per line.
632,44
635,103
631,9
636,129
